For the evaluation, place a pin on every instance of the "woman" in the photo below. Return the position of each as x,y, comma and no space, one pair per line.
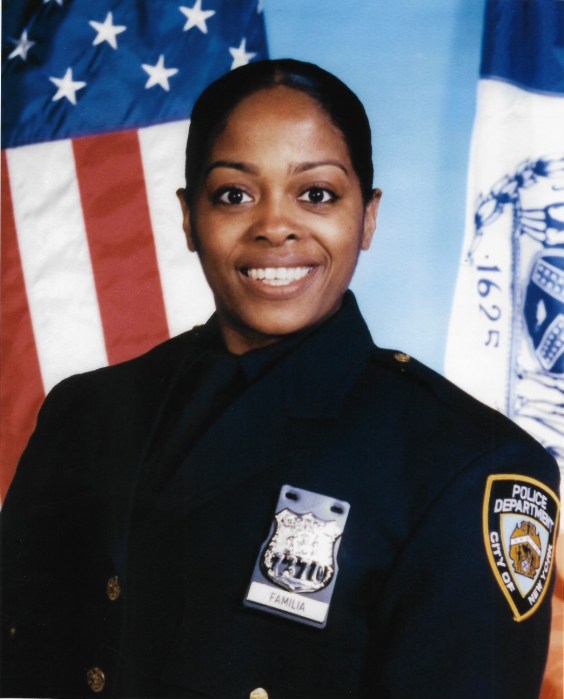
270,500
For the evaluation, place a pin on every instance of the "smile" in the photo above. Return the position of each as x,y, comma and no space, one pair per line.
277,276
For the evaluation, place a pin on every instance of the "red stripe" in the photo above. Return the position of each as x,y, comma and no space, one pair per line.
21,387
122,248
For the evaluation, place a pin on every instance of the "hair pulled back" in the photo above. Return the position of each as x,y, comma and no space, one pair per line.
213,107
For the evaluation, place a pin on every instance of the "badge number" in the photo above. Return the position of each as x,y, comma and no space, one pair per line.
296,570
520,522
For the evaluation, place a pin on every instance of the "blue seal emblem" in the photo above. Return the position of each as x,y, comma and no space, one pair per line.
528,324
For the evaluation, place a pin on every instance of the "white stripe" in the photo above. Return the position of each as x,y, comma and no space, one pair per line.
513,124
187,297
525,540
56,261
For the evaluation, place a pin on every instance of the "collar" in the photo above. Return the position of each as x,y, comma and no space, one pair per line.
257,362
311,382
328,362
327,340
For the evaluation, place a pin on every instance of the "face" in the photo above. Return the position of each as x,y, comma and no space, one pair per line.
278,221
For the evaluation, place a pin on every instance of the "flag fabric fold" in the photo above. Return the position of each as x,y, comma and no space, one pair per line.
506,335
97,99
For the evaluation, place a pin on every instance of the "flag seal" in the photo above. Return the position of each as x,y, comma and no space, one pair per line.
520,523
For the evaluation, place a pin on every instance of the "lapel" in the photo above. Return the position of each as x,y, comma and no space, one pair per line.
148,384
310,383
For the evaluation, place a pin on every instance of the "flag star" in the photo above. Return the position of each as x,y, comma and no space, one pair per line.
107,31
67,87
196,16
240,55
158,74
59,2
23,44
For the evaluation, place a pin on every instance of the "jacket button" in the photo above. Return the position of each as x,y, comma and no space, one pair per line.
96,679
258,693
402,357
113,588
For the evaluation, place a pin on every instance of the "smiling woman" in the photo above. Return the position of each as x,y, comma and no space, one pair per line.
270,504
279,219
279,198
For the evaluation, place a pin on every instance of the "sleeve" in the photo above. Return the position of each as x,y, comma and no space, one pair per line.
466,610
33,477
32,531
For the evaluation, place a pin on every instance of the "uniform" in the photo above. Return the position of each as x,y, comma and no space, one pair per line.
121,585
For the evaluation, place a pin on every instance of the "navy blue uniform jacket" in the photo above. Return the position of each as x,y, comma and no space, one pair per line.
416,610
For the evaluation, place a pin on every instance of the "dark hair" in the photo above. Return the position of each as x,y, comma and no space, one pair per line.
219,99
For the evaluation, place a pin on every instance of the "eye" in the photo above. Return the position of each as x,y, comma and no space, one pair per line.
232,196
318,195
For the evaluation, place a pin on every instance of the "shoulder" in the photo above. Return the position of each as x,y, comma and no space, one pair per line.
456,427
416,382
142,375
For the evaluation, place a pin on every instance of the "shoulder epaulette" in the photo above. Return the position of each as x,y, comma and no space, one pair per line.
430,380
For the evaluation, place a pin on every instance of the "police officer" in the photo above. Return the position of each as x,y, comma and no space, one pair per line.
271,501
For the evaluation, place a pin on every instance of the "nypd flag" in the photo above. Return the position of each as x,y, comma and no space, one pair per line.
506,338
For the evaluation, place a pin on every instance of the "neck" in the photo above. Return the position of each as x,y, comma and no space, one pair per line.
239,338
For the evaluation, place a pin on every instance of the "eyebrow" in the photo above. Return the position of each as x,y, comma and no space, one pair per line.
303,167
253,170
233,164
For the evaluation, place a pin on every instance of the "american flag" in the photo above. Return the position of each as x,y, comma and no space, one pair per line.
97,97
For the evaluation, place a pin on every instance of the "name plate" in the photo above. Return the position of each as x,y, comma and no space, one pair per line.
290,602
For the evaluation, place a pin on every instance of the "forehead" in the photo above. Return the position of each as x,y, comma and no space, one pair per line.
280,118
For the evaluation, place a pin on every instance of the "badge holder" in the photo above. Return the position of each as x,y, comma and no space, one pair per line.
295,573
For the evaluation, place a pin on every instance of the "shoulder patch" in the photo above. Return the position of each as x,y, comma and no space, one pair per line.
520,523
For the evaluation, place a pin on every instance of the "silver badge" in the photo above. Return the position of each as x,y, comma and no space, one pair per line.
300,556
296,570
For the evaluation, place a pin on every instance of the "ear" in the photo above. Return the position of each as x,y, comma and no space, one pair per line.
370,215
186,224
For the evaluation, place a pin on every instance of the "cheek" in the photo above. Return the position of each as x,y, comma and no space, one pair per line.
347,241
211,239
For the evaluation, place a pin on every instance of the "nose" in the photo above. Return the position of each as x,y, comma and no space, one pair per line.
275,225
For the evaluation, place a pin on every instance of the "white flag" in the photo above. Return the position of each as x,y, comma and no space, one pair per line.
506,339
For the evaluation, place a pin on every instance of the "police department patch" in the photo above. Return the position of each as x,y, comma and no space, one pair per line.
520,520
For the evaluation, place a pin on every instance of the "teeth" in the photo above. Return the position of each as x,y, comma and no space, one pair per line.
278,276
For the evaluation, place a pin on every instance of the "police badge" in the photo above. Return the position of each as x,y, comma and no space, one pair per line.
296,570
520,525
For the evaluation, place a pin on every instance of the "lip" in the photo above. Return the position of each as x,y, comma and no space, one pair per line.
277,276
278,279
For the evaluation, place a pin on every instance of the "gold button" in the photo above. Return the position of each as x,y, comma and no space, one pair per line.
113,588
96,679
13,632
258,693
402,357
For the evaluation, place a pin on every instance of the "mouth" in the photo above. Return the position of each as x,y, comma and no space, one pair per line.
277,276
